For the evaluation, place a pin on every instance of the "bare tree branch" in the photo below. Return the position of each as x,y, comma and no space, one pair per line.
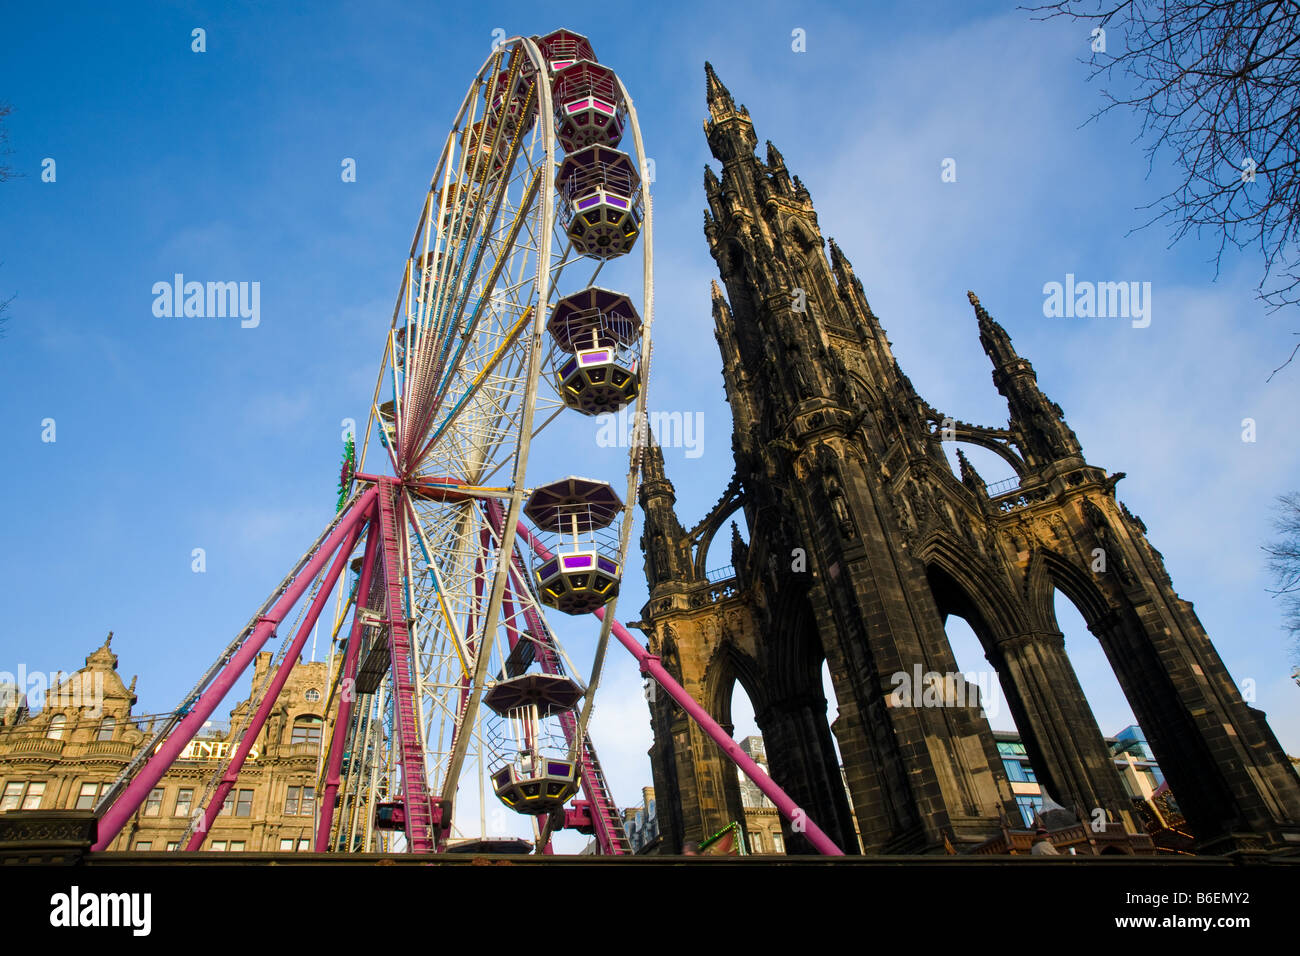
1284,560
4,307
6,172
1216,84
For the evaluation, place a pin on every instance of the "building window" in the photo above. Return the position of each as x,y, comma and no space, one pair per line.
244,806
184,797
219,846
86,796
56,727
144,845
153,805
1019,771
312,695
106,727
286,846
13,796
307,730
227,805
777,844
172,845
1029,807
236,846
304,845
300,801
22,796
756,843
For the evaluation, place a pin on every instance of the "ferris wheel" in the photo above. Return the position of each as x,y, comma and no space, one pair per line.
453,698
501,326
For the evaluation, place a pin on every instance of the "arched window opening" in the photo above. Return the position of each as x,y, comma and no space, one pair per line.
996,473
307,730
761,819
1096,676
979,678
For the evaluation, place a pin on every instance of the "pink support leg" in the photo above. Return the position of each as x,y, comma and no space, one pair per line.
153,769
273,691
339,738
651,665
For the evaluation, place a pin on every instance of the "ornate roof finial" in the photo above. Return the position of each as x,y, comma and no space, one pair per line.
103,654
994,338
969,476
653,462
838,259
718,95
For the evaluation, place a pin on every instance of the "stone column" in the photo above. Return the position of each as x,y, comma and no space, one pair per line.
1060,733
801,754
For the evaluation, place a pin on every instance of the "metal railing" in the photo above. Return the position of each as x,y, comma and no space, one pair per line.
1003,487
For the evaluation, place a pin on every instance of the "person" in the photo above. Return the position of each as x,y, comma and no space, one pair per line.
1042,845
690,848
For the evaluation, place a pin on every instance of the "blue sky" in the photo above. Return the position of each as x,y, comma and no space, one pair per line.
173,434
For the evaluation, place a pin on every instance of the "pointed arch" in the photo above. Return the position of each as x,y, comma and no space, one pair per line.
1048,571
965,584
797,229
794,667
728,664
703,533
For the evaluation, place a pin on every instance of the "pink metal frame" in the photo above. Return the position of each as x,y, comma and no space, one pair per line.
334,763
273,690
153,769
651,665
363,513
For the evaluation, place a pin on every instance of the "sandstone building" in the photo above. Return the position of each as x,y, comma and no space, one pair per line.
67,754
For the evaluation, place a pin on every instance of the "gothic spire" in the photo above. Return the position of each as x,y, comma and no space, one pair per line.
778,175
664,541
993,337
721,313
1038,423
653,467
719,98
970,477
712,187
729,130
739,550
